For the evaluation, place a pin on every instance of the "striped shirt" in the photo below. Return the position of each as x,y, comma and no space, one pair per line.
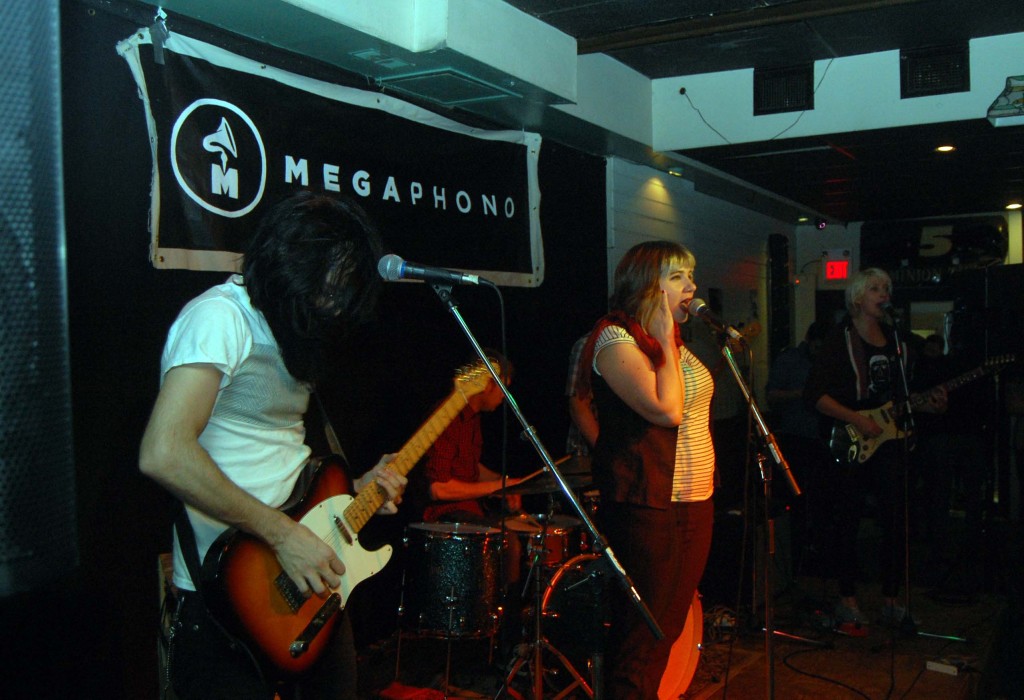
693,476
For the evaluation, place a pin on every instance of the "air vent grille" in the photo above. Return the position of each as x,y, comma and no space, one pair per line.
935,70
783,89
447,86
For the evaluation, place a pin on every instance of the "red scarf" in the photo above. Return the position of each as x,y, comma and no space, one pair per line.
646,342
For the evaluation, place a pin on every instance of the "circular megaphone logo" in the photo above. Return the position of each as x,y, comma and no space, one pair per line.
218,157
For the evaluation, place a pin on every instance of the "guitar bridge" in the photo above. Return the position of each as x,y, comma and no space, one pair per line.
300,645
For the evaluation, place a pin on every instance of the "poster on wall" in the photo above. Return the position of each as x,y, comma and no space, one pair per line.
230,136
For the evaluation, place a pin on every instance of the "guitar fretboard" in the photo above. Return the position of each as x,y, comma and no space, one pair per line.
373,496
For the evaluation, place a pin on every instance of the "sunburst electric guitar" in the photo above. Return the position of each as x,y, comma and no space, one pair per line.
849,446
248,590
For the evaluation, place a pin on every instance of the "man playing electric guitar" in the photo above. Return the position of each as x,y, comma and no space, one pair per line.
859,368
226,433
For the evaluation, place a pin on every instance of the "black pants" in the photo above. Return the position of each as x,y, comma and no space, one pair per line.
884,477
206,664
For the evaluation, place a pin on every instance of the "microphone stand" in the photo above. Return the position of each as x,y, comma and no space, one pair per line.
768,440
444,292
907,626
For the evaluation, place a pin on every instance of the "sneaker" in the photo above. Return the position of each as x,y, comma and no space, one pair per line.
893,615
850,621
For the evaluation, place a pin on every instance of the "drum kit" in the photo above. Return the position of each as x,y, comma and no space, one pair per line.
452,590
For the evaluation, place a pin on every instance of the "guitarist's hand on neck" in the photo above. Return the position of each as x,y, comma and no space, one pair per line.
936,400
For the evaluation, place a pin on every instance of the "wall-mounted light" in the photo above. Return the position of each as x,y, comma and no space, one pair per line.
1008,109
677,171
945,148
1013,205
820,223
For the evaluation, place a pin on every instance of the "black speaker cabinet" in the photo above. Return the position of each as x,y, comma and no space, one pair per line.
37,506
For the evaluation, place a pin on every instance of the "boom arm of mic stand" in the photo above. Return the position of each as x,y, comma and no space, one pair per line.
600,543
766,434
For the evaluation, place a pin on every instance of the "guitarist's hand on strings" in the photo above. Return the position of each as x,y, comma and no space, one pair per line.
866,425
307,559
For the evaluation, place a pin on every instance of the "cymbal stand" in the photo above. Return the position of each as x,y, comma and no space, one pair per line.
533,653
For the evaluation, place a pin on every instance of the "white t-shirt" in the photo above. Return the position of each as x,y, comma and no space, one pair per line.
255,433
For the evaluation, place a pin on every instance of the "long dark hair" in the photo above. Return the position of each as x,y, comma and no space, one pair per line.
311,269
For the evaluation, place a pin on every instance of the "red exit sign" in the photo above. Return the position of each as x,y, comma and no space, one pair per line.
837,269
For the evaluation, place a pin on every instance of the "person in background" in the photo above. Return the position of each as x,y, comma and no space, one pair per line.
458,483
859,368
951,457
583,426
796,427
653,461
226,433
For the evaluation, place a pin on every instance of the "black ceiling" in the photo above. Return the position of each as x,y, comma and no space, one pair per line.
891,173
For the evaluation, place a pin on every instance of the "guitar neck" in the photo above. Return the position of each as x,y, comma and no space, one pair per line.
359,512
955,383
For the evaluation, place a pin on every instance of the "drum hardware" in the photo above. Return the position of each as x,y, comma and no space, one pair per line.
532,653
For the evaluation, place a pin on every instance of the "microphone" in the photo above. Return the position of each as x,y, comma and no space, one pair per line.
700,309
392,268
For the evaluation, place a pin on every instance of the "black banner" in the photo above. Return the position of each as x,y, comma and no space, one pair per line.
231,136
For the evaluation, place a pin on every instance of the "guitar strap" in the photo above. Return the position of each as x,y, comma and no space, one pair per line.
189,549
332,437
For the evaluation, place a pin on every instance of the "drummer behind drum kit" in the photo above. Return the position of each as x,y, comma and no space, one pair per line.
451,590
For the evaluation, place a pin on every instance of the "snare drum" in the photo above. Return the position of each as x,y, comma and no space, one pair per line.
560,539
450,587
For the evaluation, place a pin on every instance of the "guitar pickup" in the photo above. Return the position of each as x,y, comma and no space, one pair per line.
300,645
289,591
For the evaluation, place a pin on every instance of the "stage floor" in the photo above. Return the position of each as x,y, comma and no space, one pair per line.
984,661
969,643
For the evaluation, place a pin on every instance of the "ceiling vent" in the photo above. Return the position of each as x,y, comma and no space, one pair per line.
783,89
446,86
935,70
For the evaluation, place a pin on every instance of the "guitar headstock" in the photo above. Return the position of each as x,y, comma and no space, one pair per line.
473,378
749,331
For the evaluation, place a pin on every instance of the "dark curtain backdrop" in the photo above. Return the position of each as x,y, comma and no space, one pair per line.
120,309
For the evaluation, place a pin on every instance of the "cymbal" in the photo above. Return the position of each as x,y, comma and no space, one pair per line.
534,523
574,464
546,483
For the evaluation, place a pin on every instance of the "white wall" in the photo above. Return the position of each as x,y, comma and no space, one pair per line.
729,242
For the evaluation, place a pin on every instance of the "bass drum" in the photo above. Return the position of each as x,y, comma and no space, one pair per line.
682,661
576,620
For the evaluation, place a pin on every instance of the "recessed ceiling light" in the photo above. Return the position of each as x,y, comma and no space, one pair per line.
945,149
1013,205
